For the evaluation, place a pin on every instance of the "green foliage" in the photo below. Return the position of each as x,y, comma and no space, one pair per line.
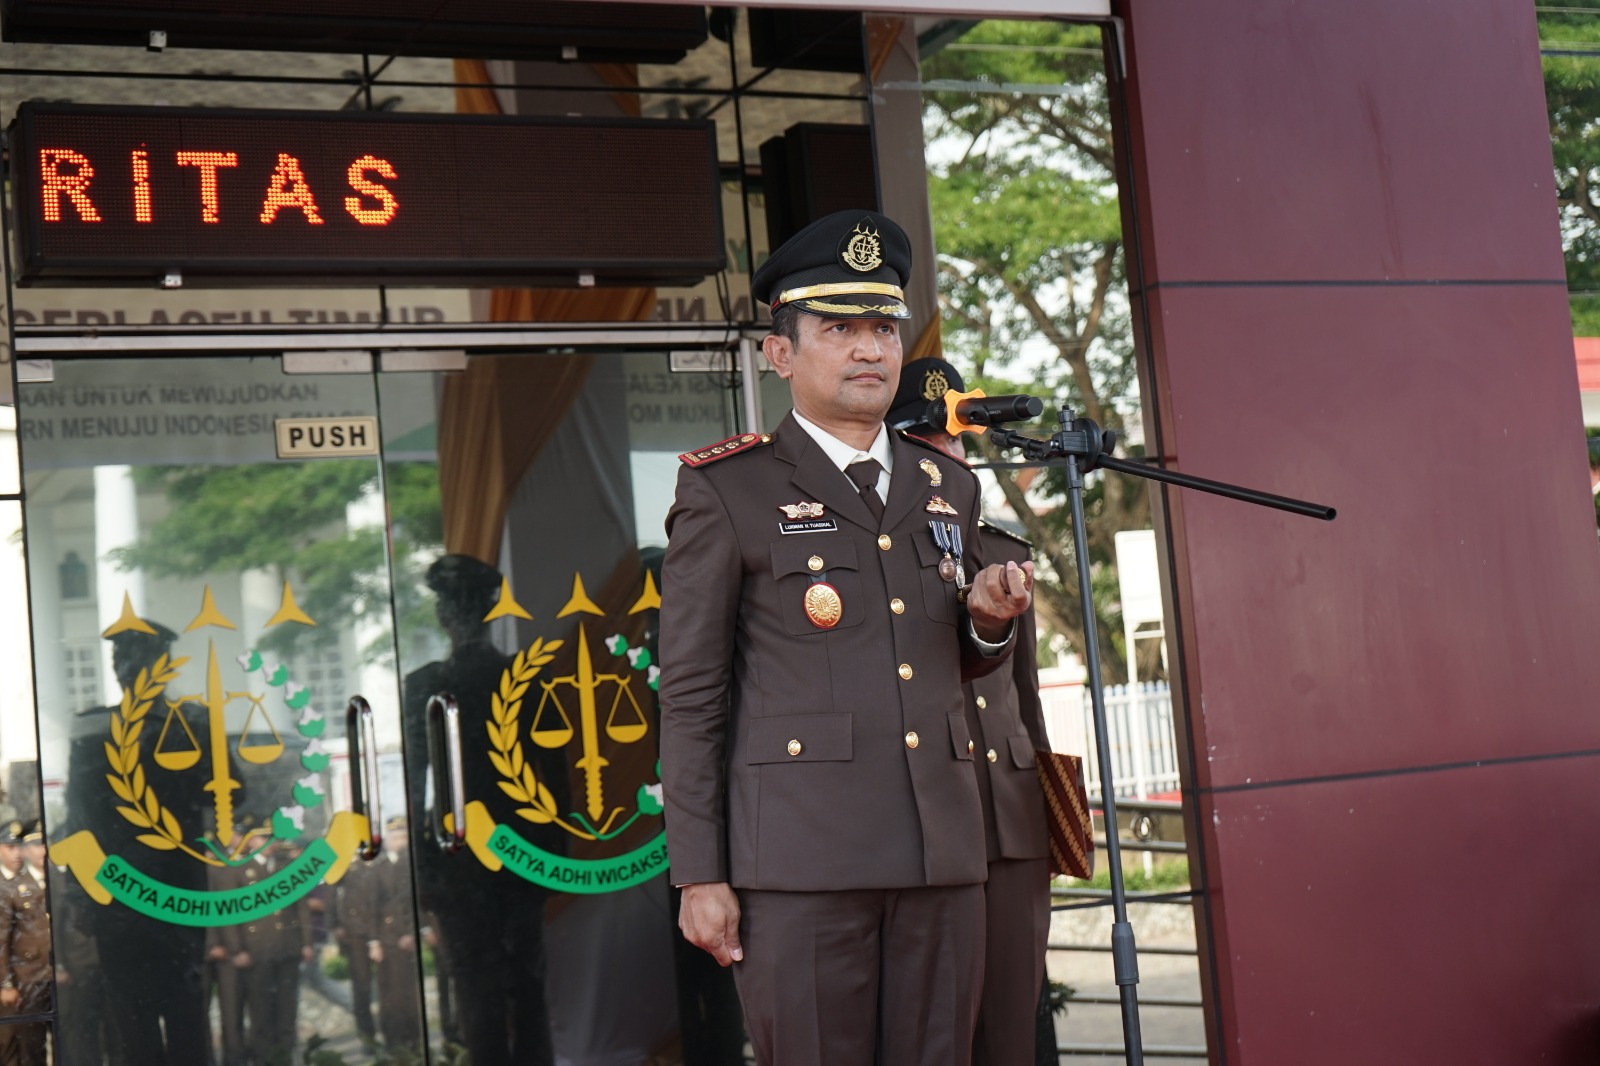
1031,273
1170,875
291,519
1585,315
335,967
257,516
1572,96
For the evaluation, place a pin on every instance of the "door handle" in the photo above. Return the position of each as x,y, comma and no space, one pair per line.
361,733
444,743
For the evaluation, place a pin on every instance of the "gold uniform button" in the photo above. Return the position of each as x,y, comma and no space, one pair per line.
982,703
992,755
884,542
766,438
815,562
969,747
897,605
795,747
912,740
905,671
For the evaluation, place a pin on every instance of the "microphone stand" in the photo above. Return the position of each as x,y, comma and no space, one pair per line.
1079,446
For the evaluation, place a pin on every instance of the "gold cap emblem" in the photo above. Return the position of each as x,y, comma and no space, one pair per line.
863,252
935,385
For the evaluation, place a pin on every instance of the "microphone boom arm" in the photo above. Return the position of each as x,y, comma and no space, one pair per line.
1078,446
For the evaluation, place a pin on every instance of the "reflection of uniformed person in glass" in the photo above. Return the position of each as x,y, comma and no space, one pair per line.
25,986
1007,722
156,969
375,919
267,953
814,750
491,927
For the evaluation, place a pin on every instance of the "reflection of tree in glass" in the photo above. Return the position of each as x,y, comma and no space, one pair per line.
292,520
1031,281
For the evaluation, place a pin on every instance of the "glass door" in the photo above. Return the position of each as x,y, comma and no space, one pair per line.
219,717
527,494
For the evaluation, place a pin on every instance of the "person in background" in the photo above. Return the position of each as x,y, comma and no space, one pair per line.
25,978
1007,722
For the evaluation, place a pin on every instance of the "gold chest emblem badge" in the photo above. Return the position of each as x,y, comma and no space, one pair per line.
823,606
863,252
804,509
937,505
931,468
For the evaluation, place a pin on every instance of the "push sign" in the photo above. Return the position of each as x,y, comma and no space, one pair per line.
311,438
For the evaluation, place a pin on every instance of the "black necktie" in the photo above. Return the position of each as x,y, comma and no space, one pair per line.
865,474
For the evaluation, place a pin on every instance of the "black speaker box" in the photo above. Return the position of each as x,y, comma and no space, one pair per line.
815,169
796,39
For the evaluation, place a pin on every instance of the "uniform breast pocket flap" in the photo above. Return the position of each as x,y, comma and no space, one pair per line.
800,738
818,583
938,595
1023,756
960,738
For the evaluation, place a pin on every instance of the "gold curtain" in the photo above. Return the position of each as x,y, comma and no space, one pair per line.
928,345
496,418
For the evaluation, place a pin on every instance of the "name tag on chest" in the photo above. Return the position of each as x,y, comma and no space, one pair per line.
809,525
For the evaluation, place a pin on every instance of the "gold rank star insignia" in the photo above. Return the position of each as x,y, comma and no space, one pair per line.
931,468
796,511
936,505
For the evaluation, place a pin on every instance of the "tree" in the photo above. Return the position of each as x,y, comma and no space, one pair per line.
1570,38
291,519
1031,277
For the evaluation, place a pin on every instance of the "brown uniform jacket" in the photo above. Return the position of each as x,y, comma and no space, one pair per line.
374,902
274,938
24,932
798,758
1007,720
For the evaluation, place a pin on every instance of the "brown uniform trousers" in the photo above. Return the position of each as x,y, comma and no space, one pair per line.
25,965
1007,721
374,906
826,773
270,984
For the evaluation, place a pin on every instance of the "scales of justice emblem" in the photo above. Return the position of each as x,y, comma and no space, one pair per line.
590,710
164,688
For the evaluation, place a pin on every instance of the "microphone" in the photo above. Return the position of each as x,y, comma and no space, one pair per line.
971,412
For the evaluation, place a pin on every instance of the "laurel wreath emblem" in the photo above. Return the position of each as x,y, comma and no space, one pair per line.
144,809
517,778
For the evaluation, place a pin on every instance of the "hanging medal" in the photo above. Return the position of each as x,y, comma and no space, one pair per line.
961,571
947,536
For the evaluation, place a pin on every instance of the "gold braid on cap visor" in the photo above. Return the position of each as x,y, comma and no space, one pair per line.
839,288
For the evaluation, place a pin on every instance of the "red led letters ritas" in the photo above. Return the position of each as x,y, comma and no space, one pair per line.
288,188
65,173
369,216
208,162
73,184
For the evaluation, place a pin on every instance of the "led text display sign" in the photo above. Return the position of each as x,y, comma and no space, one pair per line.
546,29
133,194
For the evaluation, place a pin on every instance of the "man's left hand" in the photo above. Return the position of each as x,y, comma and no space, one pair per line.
997,595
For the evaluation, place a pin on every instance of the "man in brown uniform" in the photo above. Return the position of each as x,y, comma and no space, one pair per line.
267,953
816,625
25,984
1007,722
376,920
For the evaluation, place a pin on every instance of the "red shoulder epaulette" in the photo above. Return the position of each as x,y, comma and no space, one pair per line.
723,449
914,439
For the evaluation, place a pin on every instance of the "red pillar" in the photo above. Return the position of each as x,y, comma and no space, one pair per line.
1351,285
